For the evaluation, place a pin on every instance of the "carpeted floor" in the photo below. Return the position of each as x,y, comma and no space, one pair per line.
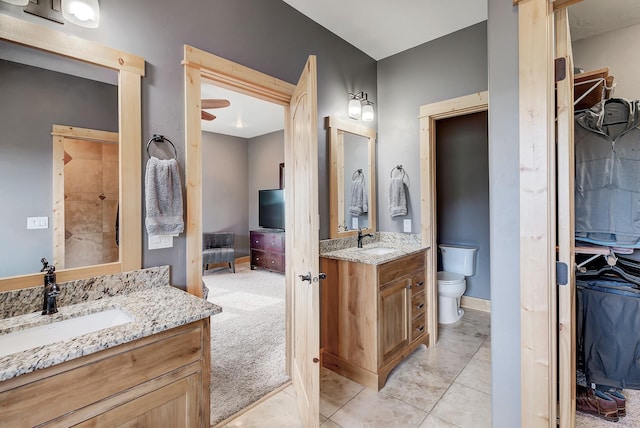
247,338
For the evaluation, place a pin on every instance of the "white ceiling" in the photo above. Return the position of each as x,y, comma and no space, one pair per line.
381,28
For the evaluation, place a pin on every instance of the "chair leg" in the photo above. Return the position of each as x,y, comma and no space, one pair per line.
232,265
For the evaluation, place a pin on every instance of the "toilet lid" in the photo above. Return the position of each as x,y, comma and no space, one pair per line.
449,277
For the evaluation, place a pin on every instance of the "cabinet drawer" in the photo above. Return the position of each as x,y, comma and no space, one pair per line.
418,305
418,283
274,242
399,268
258,258
275,261
418,327
257,240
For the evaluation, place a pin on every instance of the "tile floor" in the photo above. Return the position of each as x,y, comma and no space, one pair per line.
448,385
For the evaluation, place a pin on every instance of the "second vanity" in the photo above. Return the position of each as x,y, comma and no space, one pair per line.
374,308
153,368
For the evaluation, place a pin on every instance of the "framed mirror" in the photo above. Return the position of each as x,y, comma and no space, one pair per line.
352,178
106,85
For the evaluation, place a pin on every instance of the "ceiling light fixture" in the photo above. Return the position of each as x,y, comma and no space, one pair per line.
17,2
360,106
85,13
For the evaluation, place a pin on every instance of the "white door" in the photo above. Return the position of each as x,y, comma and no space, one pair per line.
566,256
302,229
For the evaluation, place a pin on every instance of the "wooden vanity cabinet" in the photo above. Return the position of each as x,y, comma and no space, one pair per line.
160,380
372,316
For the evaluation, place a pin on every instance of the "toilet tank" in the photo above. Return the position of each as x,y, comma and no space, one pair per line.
458,258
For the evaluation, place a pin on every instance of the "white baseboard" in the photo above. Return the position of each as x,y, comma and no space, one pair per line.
475,303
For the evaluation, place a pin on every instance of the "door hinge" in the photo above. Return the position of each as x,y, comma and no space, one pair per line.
561,69
562,273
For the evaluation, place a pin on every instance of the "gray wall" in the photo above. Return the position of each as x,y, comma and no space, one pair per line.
448,67
462,190
266,153
26,164
267,35
224,187
502,37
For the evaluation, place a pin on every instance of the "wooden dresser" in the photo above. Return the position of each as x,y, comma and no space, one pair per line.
267,249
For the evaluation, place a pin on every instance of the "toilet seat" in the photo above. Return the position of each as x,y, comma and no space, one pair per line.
450,278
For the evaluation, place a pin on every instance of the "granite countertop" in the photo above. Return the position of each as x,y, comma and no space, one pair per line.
153,310
360,255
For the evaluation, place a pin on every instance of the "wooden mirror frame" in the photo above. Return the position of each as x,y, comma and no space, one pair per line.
130,70
336,173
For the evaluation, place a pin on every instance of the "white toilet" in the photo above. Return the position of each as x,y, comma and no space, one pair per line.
458,261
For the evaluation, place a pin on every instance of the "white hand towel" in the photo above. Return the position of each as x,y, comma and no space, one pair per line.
163,197
397,198
359,200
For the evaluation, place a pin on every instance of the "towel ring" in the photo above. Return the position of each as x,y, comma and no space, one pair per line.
157,138
357,173
399,170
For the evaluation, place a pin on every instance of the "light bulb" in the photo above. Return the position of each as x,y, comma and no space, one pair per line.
82,11
85,13
367,113
355,108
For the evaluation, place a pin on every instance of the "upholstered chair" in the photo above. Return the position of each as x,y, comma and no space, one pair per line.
217,247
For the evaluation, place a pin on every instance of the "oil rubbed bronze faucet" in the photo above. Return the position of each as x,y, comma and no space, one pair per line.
361,235
51,289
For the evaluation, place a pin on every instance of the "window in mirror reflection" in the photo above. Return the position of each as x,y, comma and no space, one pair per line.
33,100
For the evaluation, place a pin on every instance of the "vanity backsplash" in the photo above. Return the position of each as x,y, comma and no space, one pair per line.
27,300
328,245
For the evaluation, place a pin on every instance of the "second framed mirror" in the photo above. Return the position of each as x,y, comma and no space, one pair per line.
352,195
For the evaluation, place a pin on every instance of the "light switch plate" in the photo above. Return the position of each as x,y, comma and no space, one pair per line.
160,241
407,225
37,222
354,223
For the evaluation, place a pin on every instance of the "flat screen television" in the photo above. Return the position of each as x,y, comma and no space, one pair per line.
271,208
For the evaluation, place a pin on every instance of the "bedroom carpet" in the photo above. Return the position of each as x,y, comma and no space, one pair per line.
247,338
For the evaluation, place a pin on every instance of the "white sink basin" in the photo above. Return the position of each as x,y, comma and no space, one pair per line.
21,340
378,251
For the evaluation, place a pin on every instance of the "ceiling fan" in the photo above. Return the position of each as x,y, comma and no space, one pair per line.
209,104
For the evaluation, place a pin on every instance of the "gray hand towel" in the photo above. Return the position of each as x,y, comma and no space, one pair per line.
359,200
397,198
163,197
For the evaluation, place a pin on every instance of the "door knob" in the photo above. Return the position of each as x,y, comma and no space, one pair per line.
322,275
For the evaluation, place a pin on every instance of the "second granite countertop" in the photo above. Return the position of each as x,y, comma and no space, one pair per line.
365,254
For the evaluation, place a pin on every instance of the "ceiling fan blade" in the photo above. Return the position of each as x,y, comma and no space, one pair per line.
206,116
215,103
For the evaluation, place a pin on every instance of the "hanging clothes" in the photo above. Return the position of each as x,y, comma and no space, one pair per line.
607,185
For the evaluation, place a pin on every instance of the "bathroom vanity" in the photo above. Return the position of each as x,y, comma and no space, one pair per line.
373,309
151,370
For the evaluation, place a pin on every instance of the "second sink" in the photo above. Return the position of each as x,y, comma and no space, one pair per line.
378,251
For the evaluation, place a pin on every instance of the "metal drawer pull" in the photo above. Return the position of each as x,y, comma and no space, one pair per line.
420,284
420,329
420,306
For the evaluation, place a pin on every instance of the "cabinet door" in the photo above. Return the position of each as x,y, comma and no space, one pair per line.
174,405
394,313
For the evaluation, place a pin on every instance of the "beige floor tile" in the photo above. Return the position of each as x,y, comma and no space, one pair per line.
439,361
466,342
464,407
278,411
329,424
370,409
335,391
435,422
477,375
484,353
416,386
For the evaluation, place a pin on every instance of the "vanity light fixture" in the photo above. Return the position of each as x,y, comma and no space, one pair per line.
85,13
360,106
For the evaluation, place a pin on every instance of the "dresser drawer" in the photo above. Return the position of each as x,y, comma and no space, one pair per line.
418,282
258,258
257,240
274,242
275,261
